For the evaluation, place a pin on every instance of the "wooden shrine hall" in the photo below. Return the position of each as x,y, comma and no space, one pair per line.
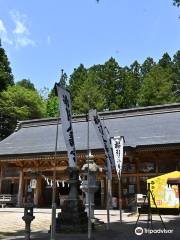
152,147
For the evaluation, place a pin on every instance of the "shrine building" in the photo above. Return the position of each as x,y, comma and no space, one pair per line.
152,148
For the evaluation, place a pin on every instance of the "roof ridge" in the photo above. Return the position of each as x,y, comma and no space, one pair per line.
132,112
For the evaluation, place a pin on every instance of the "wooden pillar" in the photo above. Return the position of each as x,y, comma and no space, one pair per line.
138,184
1,178
109,189
25,188
21,186
102,193
38,192
138,176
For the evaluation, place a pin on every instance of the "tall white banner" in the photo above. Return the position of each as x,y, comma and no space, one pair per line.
105,139
66,121
117,146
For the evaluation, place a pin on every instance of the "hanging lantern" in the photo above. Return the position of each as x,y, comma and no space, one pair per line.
33,183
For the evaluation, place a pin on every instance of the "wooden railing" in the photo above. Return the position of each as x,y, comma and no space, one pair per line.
7,199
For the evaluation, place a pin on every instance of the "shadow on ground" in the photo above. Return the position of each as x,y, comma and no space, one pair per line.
124,231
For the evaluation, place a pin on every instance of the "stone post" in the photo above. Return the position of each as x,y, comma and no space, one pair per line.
93,170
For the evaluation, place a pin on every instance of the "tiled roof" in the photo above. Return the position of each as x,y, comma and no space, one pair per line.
157,125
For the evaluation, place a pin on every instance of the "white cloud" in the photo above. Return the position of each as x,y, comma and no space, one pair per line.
24,41
20,35
49,40
2,27
21,32
20,21
3,34
20,28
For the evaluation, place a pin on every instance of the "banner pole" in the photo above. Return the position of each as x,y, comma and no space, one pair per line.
53,215
108,203
120,185
120,199
88,181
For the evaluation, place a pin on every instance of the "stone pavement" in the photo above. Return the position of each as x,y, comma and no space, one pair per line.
12,226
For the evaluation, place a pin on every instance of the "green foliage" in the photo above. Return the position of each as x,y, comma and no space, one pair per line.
52,105
147,66
130,89
52,102
105,86
26,83
63,79
147,84
110,83
77,79
7,125
176,73
89,96
6,77
156,87
22,103
176,3
133,85
165,61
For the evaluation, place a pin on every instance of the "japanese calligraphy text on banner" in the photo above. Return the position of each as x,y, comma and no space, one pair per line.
105,139
66,120
117,145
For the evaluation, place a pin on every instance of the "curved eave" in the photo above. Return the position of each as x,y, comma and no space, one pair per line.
158,147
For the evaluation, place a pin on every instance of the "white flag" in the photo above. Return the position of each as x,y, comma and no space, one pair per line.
66,120
104,138
117,145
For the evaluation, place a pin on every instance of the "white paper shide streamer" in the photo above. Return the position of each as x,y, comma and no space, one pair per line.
49,182
104,138
117,146
66,120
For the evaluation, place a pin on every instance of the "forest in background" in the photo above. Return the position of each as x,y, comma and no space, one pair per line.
109,87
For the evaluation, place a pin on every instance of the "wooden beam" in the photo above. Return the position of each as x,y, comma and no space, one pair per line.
36,163
43,169
19,163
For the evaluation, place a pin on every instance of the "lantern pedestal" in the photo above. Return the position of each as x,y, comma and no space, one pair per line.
72,218
28,218
93,187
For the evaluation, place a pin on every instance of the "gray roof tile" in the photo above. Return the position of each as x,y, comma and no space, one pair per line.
139,127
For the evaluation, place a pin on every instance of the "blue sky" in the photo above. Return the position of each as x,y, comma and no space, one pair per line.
42,37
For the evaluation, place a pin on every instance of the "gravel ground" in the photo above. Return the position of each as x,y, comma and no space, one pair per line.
12,226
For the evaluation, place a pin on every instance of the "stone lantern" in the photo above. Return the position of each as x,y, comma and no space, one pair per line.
93,187
28,217
72,217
